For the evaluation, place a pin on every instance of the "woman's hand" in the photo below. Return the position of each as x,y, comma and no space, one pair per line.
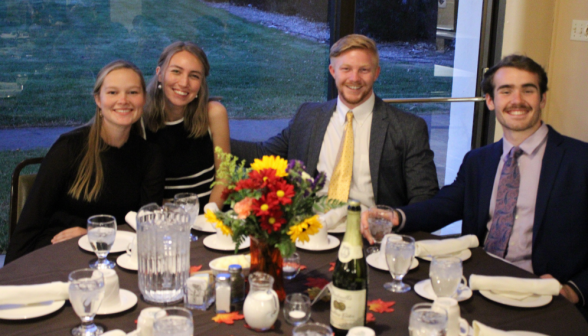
68,234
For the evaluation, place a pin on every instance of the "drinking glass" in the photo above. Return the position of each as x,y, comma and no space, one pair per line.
312,329
427,320
380,221
297,308
291,266
86,291
101,234
446,273
399,254
173,321
190,203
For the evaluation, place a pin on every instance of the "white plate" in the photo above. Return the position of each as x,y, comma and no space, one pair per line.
133,333
425,289
375,261
24,312
339,228
530,302
201,224
125,262
128,300
211,243
525,333
463,255
332,243
121,242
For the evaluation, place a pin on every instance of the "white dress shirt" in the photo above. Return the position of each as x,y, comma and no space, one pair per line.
521,238
361,180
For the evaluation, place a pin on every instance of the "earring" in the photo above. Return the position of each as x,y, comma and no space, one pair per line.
196,96
159,86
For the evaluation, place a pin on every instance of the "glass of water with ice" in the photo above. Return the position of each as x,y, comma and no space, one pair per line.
190,203
86,291
173,321
380,221
101,234
427,320
399,255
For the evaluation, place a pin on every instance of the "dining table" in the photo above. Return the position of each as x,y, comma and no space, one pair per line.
55,262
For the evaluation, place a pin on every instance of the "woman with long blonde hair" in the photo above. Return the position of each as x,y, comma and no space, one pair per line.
104,167
185,123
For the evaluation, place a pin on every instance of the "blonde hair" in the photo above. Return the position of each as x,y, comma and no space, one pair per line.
196,115
354,41
90,176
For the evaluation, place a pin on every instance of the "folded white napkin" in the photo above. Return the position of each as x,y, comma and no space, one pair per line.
131,219
515,288
115,332
335,217
211,206
25,294
445,246
484,330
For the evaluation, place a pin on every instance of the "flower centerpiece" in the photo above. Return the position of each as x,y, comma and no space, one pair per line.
275,203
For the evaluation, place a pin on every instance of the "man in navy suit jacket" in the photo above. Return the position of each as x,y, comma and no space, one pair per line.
550,231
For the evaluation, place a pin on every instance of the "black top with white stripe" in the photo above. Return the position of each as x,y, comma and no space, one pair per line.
189,162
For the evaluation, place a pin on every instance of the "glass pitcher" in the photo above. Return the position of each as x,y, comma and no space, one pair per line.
261,305
163,246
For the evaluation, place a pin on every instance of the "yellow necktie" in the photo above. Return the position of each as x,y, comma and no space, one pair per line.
341,179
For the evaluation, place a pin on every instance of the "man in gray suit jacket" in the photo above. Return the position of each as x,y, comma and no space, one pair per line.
392,162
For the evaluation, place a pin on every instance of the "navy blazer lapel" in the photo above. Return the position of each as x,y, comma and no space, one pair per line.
487,177
549,167
377,139
320,124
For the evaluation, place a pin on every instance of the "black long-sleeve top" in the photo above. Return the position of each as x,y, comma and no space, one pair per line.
133,177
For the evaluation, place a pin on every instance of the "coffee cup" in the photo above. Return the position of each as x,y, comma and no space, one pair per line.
111,289
132,252
145,321
319,239
223,239
453,314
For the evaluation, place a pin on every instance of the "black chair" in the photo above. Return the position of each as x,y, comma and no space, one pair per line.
19,190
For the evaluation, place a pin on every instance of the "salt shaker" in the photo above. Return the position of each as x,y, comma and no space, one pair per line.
223,293
237,287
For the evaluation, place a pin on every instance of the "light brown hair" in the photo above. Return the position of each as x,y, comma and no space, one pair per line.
354,41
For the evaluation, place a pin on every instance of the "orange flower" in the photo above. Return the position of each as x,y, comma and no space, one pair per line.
243,208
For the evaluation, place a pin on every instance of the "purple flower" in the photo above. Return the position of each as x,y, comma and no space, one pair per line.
319,181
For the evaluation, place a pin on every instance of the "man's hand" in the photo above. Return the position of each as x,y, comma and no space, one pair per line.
68,234
365,229
566,291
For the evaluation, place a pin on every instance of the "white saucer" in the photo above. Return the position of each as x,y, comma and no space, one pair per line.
124,261
463,255
425,289
525,333
201,224
133,333
530,302
121,242
332,243
341,228
211,243
464,328
128,300
375,261
24,312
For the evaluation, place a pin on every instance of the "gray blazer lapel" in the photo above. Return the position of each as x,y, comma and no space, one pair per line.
378,135
318,133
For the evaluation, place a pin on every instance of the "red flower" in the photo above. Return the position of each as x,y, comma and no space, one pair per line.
265,205
284,191
273,222
226,193
264,177
247,184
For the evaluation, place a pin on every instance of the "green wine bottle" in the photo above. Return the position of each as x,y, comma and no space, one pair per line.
350,277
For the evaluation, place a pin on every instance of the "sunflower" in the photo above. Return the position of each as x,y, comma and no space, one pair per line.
211,217
271,162
306,228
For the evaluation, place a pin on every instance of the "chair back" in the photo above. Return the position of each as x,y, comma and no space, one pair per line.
19,190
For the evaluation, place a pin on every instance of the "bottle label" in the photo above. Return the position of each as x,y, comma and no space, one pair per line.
348,252
347,308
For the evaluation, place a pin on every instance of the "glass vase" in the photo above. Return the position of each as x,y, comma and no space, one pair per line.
268,259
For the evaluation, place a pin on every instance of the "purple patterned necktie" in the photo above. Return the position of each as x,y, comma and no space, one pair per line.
506,203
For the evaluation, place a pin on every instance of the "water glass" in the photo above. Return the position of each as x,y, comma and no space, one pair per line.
173,321
291,266
190,203
446,273
399,254
86,292
312,329
101,235
380,221
427,320
297,308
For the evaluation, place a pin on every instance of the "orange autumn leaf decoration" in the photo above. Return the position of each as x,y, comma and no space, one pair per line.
332,268
302,267
380,306
316,282
229,318
194,269
369,317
